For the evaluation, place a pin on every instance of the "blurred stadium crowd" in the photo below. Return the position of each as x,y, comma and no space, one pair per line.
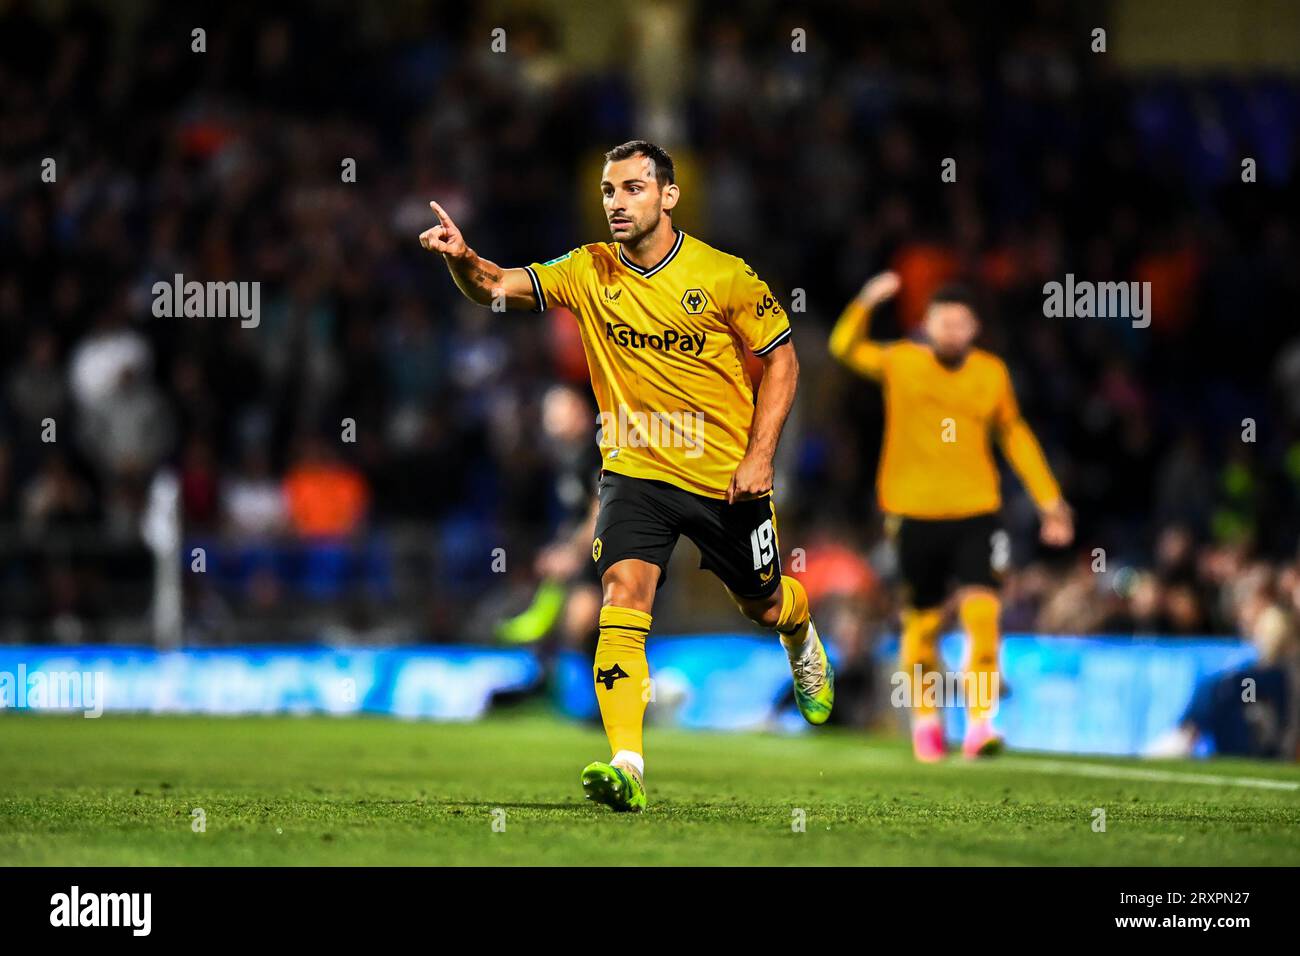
819,168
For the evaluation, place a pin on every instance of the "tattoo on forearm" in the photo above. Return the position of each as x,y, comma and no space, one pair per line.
483,274
487,277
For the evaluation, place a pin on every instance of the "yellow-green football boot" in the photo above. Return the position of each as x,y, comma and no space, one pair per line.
617,787
814,679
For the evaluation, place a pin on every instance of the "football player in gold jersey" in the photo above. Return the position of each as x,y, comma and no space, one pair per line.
938,486
686,446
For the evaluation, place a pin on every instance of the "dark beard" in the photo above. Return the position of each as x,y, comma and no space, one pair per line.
632,241
950,362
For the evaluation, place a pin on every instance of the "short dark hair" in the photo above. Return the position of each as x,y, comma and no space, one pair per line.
665,172
955,293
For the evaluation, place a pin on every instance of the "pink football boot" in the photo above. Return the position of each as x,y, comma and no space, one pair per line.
981,740
927,739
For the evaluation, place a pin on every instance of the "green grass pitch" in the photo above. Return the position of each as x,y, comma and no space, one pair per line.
354,791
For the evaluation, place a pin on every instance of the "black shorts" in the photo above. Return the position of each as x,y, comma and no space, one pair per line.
934,555
641,518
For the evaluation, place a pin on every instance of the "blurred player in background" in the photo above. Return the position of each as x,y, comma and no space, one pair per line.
938,487
568,592
686,445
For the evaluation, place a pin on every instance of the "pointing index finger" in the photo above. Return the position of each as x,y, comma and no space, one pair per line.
441,213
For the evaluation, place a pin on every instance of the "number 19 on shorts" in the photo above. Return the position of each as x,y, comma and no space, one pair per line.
762,541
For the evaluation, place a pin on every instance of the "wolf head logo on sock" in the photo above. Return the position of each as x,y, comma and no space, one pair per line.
607,677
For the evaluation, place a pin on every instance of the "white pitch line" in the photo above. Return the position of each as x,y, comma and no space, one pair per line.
1135,773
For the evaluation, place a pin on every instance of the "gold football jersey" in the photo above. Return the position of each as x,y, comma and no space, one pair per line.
663,345
937,460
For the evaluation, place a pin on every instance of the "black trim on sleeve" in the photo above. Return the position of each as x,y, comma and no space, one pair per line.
779,340
537,289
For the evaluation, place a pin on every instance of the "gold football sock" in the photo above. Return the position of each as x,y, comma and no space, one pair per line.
979,617
622,676
920,646
792,624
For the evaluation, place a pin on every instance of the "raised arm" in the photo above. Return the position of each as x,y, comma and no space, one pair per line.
480,280
849,342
